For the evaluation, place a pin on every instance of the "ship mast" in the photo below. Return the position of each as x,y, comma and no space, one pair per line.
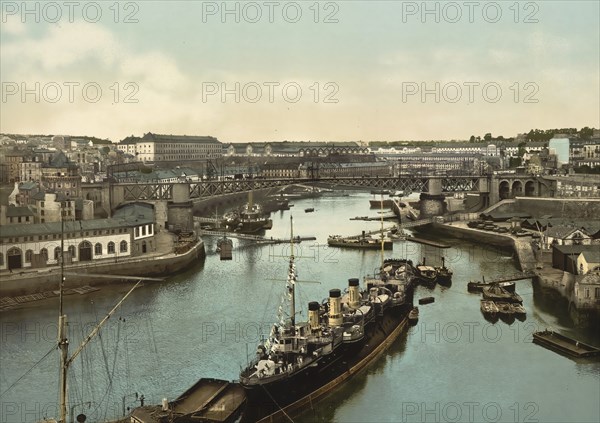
63,343
382,241
292,276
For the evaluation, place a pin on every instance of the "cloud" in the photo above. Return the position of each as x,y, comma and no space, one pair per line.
141,90
13,27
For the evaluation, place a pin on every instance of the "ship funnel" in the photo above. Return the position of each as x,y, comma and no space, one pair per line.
335,307
313,315
353,293
373,293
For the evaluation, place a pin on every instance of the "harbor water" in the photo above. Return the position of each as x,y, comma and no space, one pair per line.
452,366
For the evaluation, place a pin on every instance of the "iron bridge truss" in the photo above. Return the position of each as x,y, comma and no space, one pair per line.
148,191
409,183
460,184
207,189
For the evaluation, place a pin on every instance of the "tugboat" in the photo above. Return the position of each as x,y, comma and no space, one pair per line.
300,362
249,219
427,274
444,275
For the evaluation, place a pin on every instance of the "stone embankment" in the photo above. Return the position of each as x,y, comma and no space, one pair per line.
521,246
160,263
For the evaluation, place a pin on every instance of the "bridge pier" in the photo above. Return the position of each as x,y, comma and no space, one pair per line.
433,202
179,211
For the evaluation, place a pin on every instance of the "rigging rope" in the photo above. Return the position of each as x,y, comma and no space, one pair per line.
27,372
275,402
109,373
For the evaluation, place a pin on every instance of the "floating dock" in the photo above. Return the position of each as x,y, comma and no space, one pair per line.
208,400
565,345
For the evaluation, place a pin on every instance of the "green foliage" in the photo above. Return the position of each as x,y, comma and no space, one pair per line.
586,133
515,162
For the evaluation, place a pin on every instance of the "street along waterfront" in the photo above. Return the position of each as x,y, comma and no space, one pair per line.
452,366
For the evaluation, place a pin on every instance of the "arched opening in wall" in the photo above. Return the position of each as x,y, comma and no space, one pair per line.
529,189
504,190
14,258
85,251
517,188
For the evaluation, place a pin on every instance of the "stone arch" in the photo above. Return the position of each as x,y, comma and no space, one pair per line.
530,190
504,190
517,188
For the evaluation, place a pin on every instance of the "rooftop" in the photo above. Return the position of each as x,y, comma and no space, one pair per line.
129,215
179,138
592,256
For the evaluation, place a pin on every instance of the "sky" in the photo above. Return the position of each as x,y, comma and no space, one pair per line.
304,70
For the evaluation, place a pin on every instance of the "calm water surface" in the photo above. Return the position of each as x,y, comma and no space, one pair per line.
452,366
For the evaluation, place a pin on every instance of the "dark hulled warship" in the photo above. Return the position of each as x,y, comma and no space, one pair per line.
300,362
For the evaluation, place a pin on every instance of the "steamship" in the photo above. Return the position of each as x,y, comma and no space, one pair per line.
300,362
250,218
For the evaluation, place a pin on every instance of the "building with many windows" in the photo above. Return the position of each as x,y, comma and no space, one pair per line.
130,232
171,148
294,149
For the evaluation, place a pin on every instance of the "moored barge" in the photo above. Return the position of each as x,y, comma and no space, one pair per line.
565,345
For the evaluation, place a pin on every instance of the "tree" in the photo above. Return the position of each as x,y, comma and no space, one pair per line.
487,137
472,139
514,162
586,133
